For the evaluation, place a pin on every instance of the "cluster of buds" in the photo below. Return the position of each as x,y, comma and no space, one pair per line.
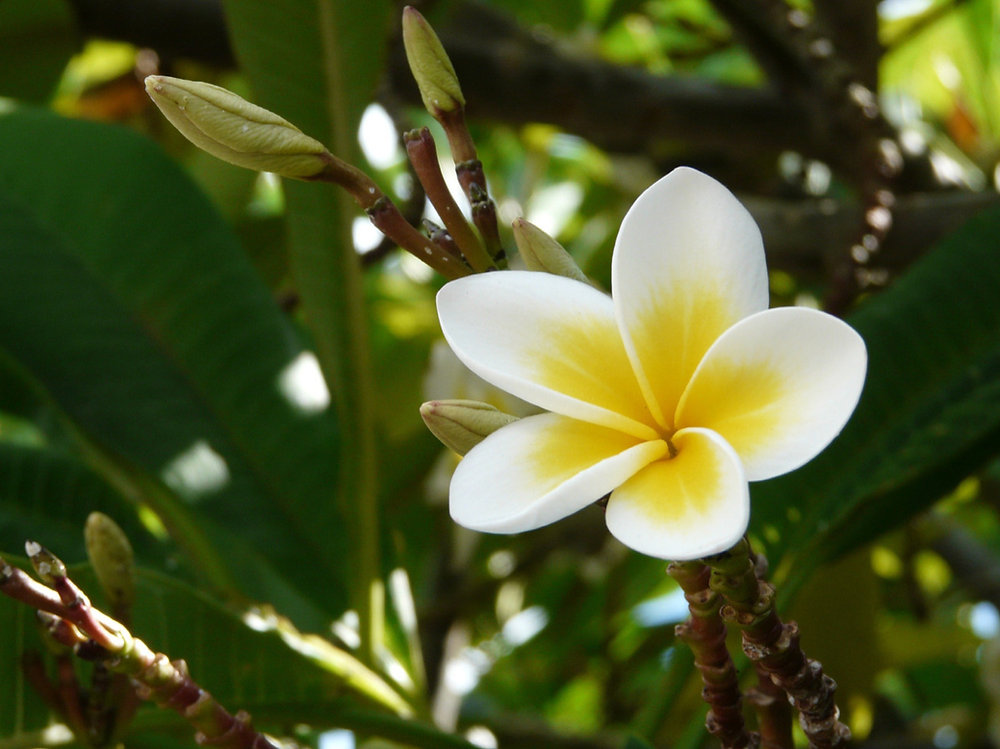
234,130
125,668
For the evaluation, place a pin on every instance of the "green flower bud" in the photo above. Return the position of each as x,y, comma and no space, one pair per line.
234,130
542,253
430,65
462,424
110,554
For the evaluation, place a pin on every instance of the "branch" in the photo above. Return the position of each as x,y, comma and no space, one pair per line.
773,645
853,27
705,633
809,236
507,76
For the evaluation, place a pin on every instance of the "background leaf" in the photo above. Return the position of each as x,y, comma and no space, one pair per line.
928,417
317,62
42,30
132,307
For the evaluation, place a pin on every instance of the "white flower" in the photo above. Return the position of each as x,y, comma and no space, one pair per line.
671,396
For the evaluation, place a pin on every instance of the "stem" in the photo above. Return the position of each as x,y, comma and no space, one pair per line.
469,170
423,156
386,217
705,633
390,221
441,238
774,646
774,714
463,148
484,216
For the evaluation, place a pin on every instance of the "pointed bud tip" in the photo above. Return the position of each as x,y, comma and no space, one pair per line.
460,425
430,65
541,252
46,564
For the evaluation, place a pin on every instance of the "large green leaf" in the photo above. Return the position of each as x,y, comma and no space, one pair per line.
316,63
131,306
257,663
929,414
47,495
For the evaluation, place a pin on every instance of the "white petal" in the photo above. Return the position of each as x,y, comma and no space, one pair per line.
549,340
686,507
778,386
688,263
540,469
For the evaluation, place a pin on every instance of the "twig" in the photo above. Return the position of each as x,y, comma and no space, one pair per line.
96,636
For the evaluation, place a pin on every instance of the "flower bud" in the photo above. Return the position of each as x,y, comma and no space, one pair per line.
234,130
463,424
430,65
542,253
110,554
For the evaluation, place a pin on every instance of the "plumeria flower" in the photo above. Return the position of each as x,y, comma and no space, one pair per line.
671,394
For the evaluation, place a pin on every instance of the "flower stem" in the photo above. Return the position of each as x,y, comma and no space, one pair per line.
705,633
471,177
386,217
423,156
774,645
774,714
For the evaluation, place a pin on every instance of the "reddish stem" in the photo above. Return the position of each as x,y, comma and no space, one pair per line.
705,633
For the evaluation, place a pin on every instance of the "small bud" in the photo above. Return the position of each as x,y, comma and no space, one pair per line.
111,555
47,565
430,65
463,424
6,571
542,253
234,130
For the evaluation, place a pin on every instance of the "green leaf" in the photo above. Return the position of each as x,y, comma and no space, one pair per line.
929,414
132,307
316,62
37,39
47,496
636,743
